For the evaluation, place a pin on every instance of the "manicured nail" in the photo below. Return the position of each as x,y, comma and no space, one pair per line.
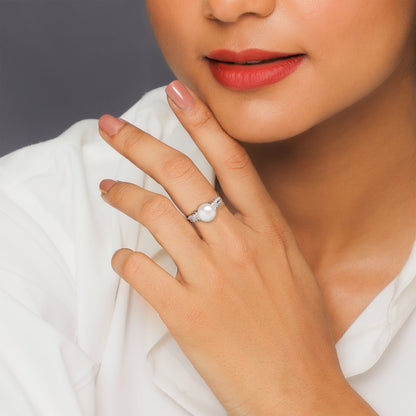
110,124
179,94
106,185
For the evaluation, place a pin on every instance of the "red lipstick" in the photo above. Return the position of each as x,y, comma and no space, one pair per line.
251,68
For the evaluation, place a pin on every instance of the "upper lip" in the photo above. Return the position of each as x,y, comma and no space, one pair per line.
247,55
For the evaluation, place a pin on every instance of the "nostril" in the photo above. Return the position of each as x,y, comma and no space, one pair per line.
229,11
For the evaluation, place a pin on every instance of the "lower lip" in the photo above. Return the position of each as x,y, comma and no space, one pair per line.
246,77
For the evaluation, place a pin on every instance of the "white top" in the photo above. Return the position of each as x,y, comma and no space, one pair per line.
75,339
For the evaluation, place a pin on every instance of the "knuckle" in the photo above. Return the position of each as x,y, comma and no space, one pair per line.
280,234
237,159
202,118
134,264
129,141
178,167
155,207
284,238
240,247
242,251
240,243
119,193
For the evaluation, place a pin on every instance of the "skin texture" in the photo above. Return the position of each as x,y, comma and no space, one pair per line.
333,142
315,170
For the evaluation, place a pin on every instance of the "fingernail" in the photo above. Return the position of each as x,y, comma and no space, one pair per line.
106,185
179,94
110,124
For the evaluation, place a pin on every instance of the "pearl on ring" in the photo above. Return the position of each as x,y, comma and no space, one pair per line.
206,212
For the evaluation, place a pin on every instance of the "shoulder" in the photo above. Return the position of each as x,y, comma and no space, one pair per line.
52,218
52,182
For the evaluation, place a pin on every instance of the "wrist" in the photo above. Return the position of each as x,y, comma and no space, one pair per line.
348,402
340,400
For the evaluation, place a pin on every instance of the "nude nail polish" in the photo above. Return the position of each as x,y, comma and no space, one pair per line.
110,125
106,185
179,94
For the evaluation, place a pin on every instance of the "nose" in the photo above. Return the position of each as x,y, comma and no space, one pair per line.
229,11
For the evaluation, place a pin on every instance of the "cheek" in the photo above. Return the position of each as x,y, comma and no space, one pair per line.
355,34
173,21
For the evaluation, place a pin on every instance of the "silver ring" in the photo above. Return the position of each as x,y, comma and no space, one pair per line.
206,212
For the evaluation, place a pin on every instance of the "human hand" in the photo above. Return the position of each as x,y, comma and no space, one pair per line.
245,306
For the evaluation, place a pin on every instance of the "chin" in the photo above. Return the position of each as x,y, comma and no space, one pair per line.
255,135
258,130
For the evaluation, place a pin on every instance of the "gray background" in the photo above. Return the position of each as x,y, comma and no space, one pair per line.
66,60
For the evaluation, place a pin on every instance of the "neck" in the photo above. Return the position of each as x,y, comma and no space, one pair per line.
351,179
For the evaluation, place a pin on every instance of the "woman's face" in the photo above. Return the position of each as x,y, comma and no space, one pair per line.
351,47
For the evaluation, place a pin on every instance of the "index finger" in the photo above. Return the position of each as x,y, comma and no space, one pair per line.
235,171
